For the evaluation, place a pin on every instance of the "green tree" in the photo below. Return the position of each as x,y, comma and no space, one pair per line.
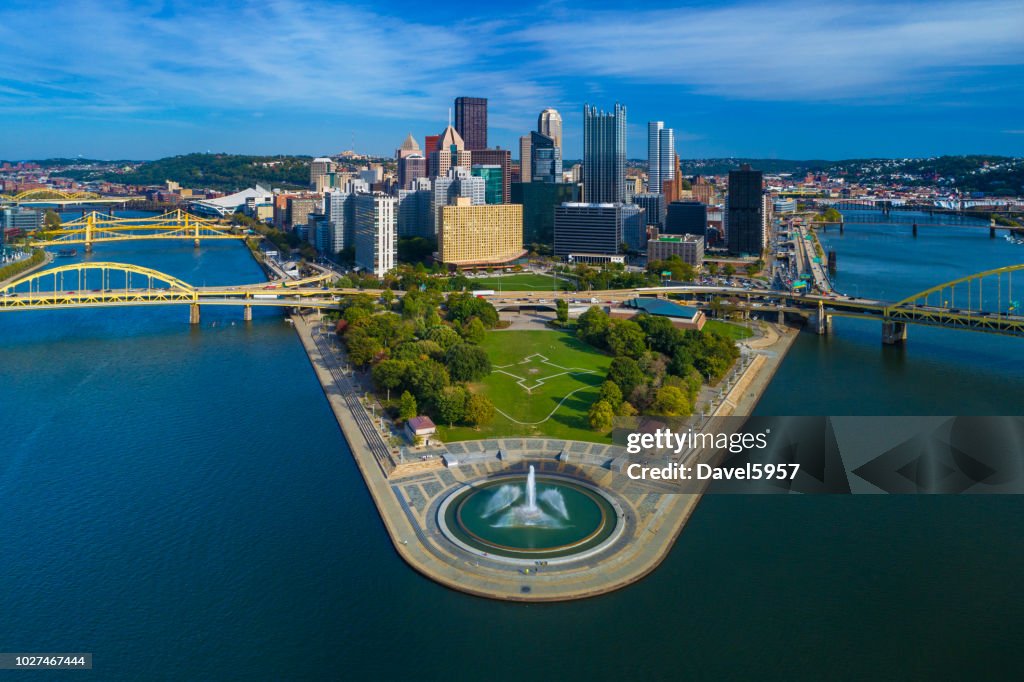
562,311
451,404
426,379
473,331
625,337
712,267
626,409
600,416
388,297
51,221
671,402
611,394
626,374
407,408
479,410
444,336
592,327
729,270
389,374
466,362
362,348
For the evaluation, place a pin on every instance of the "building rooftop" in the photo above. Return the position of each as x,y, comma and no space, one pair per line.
657,306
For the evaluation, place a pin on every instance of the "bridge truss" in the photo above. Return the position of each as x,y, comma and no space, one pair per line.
96,227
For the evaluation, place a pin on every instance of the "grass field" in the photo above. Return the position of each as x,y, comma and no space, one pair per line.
542,384
523,282
728,329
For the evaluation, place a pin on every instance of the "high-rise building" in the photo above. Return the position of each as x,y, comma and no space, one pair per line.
689,247
744,212
299,209
408,148
545,159
589,229
414,210
653,204
458,183
661,155
525,163
604,155
471,121
376,232
497,157
494,185
410,168
450,151
550,123
318,167
19,218
474,235
339,209
686,217
539,200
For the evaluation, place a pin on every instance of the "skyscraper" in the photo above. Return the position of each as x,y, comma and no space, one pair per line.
661,161
545,159
471,121
525,163
376,232
494,186
319,167
744,211
550,123
604,154
497,157
596,231
450,151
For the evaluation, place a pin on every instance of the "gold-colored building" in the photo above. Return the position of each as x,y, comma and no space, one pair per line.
477,235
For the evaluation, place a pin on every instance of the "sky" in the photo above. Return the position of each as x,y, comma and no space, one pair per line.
796,79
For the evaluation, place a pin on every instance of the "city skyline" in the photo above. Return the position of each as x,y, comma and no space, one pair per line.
742,79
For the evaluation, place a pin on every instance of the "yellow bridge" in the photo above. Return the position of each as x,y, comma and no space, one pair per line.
58,197
97,285
95,227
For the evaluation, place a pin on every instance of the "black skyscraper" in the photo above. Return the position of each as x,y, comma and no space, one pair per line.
687,217
745,216
471,121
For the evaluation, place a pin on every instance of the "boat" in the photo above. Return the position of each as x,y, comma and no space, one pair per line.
67,253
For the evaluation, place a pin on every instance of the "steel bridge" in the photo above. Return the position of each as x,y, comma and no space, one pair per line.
95,227
982,302
45,196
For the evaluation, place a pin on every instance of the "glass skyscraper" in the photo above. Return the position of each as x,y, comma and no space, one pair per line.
545,159
604,155
661,161
471,121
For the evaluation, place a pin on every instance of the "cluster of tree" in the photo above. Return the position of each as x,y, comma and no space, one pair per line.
611,276
423,359
12,269
678,270
225,172
415,249
658,368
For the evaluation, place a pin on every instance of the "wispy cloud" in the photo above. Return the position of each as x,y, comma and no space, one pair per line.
795,50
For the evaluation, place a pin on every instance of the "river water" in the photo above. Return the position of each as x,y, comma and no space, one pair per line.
181,503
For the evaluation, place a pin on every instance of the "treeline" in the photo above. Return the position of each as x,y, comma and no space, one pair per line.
223,172
14,269
418,360
658,368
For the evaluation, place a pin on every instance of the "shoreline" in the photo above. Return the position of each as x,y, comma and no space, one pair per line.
408,496
47,259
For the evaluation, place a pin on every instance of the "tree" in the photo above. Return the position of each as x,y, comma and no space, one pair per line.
388,297
600,416
389,374
362,348
444,336
466,362
407,408
479,410
626,409
462,306
427,378
451,404
625,337
473,331
592,326
611,394
52,220
729,270
562,311
671,402
712,267
626,374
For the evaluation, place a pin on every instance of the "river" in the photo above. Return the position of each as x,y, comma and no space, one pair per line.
180,503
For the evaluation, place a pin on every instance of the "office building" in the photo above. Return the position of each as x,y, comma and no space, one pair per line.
318,167
410,168
503,159
584,231
494,185
545,159
339,209
689,247
745,212
414,210
471,121
653,205
429,145
539,200
525,163
550,123
782,205
604,155
18,218
299,209
480,235
450,151
408,148
376,233
686,217
661,155
458,183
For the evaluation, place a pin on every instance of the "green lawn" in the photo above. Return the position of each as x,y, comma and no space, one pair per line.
543,381
523,282
728,329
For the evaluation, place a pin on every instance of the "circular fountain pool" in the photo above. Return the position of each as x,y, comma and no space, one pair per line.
530,518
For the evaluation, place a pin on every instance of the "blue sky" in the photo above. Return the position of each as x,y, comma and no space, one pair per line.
789,79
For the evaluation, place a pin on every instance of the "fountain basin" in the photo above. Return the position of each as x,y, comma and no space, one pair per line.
498,518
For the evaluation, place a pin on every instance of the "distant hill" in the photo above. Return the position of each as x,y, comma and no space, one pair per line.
224,172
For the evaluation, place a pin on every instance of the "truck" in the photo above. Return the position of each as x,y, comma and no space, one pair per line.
480,293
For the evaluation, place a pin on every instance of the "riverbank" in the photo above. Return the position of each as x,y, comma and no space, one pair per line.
47,259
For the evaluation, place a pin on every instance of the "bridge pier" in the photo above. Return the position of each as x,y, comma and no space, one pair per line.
915,229
247,313
842,226
88,247
992,233
894,333
193,313
195,244
822,324
782,317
